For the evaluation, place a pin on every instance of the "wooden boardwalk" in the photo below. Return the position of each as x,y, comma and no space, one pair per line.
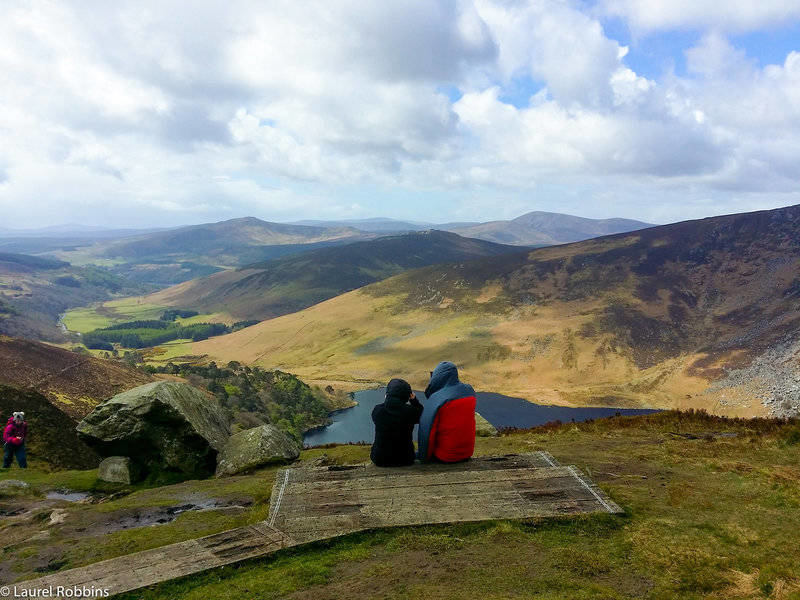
323,502
315,503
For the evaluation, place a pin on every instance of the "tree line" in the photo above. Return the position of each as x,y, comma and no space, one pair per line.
147,333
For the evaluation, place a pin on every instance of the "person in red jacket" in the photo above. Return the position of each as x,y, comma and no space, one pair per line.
447,425
14,440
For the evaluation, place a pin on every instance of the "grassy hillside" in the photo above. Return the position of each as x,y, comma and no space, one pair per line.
545,229
708,510
652,318
74,383
278,287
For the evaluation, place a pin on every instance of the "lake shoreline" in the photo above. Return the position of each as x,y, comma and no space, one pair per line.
354,424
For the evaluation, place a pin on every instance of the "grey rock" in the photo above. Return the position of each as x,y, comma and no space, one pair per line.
12,485
161,426
58,517
254,448
483,428
117,469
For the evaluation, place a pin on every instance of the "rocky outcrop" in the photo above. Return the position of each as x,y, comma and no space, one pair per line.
773,377
117,469
161,426
483,428
254,448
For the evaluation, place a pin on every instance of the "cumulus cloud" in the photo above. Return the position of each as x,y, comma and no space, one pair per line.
554,43
150,113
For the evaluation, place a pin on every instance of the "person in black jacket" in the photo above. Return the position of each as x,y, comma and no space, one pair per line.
394,426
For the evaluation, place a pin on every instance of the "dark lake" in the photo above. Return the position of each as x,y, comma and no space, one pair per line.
355,424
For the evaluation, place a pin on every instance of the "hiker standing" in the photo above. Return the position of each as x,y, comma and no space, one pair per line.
394,426
14,440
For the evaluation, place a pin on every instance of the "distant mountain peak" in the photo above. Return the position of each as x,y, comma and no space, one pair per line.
538,228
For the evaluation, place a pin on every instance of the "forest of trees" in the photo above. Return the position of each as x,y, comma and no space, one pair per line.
144,334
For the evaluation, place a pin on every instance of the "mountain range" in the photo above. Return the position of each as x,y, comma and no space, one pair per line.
546,229
280,286
163,257
99,262
702,314
74,230
531,229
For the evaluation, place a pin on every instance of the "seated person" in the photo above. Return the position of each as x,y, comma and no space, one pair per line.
394,426
447,426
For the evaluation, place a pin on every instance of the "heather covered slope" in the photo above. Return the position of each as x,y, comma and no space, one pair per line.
289,284
74,383
670,316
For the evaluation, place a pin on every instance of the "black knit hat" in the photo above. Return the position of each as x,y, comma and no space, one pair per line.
398,388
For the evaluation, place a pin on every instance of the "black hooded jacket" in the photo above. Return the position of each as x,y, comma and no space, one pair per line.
394,426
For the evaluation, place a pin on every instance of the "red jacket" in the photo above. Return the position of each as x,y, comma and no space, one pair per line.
13,431
447,425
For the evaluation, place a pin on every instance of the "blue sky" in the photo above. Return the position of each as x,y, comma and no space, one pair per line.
141,113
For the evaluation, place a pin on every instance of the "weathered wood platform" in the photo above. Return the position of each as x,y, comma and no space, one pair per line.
316,503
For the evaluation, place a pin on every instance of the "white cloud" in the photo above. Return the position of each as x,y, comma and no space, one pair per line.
554,43
151,113
732,15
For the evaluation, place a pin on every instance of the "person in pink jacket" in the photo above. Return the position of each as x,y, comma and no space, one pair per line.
14,440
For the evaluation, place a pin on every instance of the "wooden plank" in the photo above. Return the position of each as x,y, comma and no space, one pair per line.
493,463
385,497
149,567
410,479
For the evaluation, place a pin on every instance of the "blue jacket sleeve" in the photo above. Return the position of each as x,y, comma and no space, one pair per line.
424,430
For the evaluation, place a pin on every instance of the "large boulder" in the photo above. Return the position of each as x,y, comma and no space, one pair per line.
254,448
161,426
